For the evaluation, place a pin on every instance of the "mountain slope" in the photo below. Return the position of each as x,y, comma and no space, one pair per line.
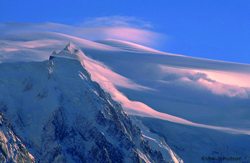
61,115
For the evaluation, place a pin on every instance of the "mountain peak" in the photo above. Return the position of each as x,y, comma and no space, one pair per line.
68,47
69,51
74,120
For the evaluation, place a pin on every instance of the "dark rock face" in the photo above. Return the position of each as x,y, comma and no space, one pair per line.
87,141
80,122
27,86
11,147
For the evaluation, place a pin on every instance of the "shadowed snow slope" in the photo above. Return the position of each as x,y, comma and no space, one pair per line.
61,115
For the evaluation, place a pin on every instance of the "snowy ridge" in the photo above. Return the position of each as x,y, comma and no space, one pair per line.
63,122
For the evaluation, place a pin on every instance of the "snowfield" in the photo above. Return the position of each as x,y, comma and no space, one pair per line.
187,108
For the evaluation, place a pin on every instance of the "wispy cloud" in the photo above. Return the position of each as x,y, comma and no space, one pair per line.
117,21
202,80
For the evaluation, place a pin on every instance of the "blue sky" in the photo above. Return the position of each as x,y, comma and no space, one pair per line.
214,29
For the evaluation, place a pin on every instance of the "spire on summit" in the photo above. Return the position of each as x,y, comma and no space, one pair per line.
68,47
69,51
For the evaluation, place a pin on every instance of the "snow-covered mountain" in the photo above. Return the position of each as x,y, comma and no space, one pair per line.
56,113
185,107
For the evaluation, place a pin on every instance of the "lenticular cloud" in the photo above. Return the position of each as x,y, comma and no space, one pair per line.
90,33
